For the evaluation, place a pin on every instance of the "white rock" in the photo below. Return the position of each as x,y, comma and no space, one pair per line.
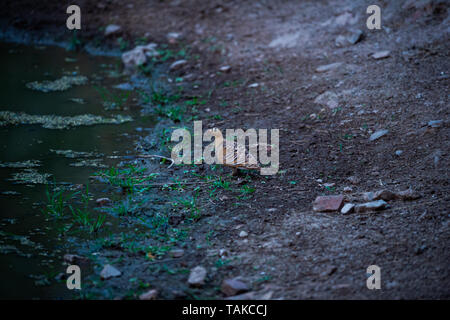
109,272
225,69
347,208
254,85
329,99
111,29
328,67
177,65
139,55
197,276
243,234
378,134
381,54
369,206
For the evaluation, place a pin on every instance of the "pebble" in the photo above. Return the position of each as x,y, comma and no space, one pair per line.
231,287
347,208
378,134
254,85
328,203
384,195
398,152
408,194
75,259
109,272
348,189
435,123
381,54
197,276
369,206
149,295
328,67
329,99
225,69
176,253
111,29
243,234
177,65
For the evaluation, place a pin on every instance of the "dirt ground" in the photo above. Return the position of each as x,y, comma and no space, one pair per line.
292,252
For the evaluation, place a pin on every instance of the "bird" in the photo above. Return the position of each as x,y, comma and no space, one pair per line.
231,157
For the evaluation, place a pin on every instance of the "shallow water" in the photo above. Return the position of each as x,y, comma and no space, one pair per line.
22,267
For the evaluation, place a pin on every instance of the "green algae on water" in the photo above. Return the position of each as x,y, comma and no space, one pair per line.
76,154
58,122
60,84
21,164
32,176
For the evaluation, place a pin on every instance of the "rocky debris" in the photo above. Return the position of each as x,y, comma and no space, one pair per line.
254,85
197,276
378,134
101,202
112,29
75,259
354,180
371,206
408,194
174,37
225,69
139,55
223,253
329,99
109,272
243,234
176,253
328,203
329,67
348,189
347,208
347,40
177,65
381,55
384,194
149,295
231,287
435,123
355,36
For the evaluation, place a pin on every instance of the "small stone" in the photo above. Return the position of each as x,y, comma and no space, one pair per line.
103,202
225,69
328,203
111,29
355,36
407,195
435,123
381,55
176,253
378,134
243,234
109,272
354,180
149,295
398,152
232,287
329,184
254,85
347,208
369,206
177,65
384,195
329,99
348,189
197,276
173,37
328,67
75,259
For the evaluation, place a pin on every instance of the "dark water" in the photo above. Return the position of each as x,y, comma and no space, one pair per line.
22,270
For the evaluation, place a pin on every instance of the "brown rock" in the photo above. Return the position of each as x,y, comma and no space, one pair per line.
75,259
232,287
328,203
407,195
384,195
